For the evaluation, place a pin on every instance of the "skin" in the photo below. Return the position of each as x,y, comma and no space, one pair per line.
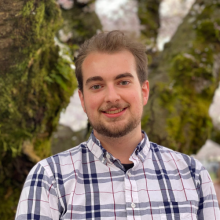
113,99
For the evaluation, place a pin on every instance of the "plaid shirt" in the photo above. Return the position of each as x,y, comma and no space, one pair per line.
86,182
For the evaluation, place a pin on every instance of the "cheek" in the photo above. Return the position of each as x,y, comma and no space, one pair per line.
136,99
92,104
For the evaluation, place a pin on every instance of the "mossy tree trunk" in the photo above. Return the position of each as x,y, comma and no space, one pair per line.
35,85
183,81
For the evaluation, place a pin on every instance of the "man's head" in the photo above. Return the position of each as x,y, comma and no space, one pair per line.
111,90
112,42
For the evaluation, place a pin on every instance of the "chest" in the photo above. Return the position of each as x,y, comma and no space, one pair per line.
143,192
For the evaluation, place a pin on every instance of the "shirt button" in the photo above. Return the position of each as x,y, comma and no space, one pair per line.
103,160
133,205
108,156
129,173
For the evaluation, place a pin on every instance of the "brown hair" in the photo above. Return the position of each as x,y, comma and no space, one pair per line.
112,42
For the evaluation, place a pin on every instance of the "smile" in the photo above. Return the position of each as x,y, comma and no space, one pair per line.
115,111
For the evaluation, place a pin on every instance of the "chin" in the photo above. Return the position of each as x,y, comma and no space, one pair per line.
116,131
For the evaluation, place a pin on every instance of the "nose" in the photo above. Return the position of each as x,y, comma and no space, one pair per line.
112,94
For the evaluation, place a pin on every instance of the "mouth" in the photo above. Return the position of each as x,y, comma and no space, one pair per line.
115,111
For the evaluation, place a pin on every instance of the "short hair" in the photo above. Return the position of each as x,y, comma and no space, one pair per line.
112,42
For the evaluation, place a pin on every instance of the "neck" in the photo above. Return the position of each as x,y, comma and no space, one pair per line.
121,148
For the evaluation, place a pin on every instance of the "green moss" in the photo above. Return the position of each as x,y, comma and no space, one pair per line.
144,120
8,206
148,13
188,101
34,90
208,32
24,103
42,147
28,8
192,84
40,12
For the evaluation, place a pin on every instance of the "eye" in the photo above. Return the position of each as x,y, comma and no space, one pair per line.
95,87
124,83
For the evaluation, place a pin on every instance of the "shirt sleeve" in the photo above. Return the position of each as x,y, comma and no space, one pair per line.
38,198
208,204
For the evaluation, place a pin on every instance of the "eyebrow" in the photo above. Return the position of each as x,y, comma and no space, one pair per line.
94,78
123,75
99,78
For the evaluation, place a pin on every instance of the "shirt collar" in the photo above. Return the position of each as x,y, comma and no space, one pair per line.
96,148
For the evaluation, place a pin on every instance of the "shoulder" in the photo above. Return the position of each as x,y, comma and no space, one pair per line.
177,159
60,162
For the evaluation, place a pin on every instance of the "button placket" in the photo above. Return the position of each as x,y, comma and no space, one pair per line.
108,156
129,173
131,195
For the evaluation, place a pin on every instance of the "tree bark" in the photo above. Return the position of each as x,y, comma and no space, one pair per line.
183,81
35,85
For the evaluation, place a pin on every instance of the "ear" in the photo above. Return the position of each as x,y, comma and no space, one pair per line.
82,100
145,91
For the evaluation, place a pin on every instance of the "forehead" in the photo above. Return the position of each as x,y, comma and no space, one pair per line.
108,65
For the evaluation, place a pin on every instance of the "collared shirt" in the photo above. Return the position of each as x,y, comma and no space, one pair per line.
87,182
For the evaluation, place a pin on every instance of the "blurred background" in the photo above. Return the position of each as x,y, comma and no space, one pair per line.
40,112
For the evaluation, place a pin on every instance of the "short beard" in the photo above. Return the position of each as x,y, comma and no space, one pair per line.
116,132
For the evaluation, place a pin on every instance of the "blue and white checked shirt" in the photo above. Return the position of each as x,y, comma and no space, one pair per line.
86,182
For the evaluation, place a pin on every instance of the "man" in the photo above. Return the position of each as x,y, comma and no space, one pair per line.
117,173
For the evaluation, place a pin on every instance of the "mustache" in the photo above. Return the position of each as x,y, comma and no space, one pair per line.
107,107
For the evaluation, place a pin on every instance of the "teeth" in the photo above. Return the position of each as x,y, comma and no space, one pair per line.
114,112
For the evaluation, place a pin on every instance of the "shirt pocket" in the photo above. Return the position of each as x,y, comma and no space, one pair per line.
186,210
